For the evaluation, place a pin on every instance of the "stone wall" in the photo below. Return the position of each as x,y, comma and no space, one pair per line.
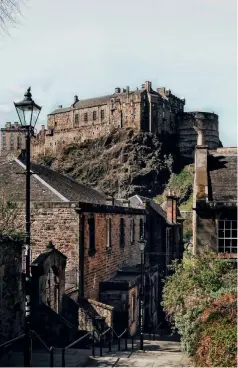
11,291
187,136
56,222
106,261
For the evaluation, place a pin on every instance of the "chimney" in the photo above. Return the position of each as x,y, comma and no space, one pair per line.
43,127
16,125
148,86
201,177
127,89
60,107
117,90
8,125
171,207
76,99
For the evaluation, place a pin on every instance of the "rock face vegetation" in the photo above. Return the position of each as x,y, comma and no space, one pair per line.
122,164
200,298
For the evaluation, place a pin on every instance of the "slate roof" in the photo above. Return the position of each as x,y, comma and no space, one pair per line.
222,178
156,207
55,187
90,102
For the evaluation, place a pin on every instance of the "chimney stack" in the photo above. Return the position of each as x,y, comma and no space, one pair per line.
117,90
148,86
76,99
60,107
171,207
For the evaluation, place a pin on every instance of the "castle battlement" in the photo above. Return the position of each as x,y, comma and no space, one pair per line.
145,109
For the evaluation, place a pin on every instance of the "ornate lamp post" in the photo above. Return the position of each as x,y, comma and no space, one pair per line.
28,112
142,244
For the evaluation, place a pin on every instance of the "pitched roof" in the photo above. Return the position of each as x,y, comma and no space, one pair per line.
156,206
46,185
222,178
90,102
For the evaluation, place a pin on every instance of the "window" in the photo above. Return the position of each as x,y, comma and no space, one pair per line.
133,307
91,234
109,232
142,229
94,115
102,114
122,232
227,236
85,116
132,230
76,119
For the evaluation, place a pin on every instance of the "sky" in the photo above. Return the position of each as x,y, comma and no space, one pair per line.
63,48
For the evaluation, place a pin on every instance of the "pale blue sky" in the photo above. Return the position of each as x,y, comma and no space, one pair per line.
67,47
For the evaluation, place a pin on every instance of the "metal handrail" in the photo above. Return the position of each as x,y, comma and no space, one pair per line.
78,340
40,339
74,343
11,341
50,350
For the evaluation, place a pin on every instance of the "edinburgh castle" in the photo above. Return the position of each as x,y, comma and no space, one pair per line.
148,110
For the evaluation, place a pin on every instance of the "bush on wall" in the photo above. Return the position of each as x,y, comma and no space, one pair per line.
196,283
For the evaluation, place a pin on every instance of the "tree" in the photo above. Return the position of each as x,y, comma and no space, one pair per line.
9,11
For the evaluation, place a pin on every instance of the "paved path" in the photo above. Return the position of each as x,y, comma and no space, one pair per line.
157,353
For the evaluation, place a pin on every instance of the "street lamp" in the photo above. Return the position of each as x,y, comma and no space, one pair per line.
28,112
142,244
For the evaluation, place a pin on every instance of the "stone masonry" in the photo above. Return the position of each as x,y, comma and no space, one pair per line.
157,111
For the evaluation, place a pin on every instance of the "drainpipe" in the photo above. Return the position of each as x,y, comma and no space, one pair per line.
81,255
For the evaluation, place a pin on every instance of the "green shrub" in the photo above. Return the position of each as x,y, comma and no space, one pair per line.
195,283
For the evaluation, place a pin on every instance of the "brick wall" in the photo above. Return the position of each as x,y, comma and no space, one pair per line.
59,223
106,261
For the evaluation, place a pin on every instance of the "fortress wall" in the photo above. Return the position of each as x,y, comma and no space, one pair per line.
188,136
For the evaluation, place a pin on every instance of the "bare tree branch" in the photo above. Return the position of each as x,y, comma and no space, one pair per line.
9,12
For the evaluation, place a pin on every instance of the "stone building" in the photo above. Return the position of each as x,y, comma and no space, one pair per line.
144,109
98,236
11,139
215,199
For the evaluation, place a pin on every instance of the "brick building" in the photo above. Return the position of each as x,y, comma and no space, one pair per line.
144,109
215,199
11,139
99,239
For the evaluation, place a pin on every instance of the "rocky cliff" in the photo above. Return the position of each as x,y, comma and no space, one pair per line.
122,164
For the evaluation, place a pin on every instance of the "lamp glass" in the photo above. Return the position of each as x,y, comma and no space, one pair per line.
28,111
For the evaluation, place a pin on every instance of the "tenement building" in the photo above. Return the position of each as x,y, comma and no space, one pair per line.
11,139
215,199
145,109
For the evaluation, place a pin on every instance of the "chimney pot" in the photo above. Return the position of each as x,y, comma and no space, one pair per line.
117,90
60,106
76,99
